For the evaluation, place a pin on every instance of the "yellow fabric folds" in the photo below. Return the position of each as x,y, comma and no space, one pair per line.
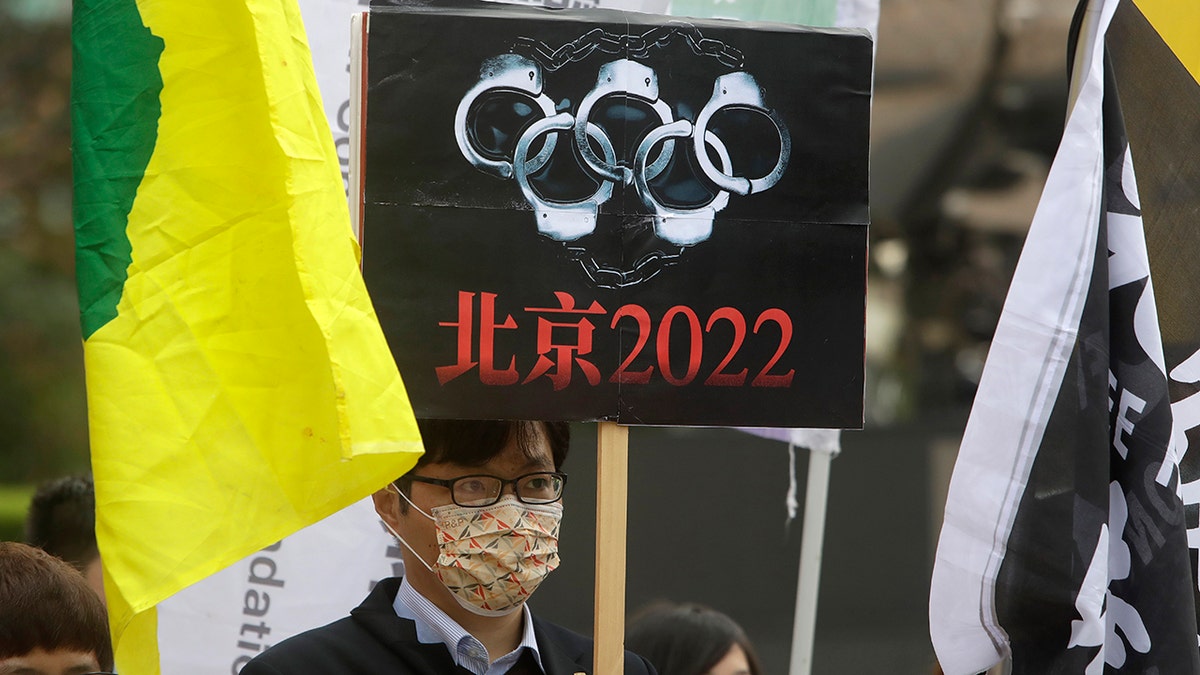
244,389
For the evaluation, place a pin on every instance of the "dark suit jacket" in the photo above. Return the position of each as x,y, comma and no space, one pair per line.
373,640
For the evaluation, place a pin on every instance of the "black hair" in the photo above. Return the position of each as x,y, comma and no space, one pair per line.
62,520
686,639
476,442
45,603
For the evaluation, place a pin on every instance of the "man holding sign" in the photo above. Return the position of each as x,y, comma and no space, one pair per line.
478,517
585,216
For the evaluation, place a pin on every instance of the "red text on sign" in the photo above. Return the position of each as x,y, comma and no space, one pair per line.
566,333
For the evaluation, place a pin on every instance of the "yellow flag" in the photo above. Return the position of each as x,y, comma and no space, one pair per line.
239,385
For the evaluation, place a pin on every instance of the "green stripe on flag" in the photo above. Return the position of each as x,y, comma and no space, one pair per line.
115,108
804,12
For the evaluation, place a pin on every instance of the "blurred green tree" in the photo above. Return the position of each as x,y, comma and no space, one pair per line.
43,413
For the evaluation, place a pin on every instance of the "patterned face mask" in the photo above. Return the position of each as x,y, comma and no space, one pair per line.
492,558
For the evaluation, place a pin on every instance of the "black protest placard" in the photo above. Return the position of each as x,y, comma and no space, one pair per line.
609,215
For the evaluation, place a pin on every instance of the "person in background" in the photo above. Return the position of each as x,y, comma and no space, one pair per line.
51,623
62,522
690,639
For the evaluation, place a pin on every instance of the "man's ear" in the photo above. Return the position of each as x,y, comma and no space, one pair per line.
387,505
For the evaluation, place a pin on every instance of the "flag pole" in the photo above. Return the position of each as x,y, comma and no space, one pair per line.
816,497
612,488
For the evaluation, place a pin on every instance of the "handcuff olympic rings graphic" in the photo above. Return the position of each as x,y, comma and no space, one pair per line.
569,221
520,78
641,85
505,73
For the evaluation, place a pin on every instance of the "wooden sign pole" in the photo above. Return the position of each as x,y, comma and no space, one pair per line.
612,490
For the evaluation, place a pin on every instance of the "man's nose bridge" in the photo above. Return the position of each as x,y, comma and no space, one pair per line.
508,487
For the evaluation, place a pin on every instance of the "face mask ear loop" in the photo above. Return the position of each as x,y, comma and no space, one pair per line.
397,534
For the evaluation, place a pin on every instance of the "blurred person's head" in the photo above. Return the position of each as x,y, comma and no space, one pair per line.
691,639
51,622
62,522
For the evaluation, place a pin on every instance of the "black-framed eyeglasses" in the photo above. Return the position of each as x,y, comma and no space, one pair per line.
542,487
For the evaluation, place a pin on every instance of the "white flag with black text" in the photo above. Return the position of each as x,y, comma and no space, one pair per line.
1064,544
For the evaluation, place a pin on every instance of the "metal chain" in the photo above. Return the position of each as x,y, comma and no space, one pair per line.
631,46
607,276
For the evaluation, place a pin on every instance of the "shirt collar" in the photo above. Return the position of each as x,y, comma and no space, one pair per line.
434,626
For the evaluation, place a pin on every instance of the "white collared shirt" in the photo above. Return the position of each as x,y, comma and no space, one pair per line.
434,626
